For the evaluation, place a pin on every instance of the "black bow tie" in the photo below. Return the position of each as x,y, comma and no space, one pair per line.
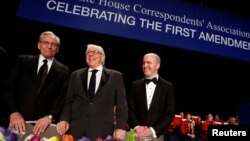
151,80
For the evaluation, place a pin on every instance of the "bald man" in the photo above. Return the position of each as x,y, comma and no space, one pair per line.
151,102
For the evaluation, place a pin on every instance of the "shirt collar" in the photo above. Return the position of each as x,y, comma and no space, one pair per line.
157,77
99,68
41,58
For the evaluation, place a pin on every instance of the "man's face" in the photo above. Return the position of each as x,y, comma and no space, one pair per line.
48,46
94,58
150,66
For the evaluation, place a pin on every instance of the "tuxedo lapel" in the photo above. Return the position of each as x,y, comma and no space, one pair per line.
157,93
104,79
84,79
143,94
33,66
52,72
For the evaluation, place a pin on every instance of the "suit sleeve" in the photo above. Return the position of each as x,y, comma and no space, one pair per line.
10,86
165,121
121,103
66,112
132,120
58,104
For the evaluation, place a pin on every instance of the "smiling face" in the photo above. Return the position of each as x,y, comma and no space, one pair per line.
151,65
94,56
48,45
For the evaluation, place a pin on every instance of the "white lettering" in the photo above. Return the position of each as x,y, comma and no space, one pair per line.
230,133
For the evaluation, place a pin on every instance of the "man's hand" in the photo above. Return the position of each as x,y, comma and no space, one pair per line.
140,131
119,134
148,132
41,125
17,122
143,131
62,127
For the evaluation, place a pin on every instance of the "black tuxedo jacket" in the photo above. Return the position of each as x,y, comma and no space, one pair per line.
95,118
162,107
22,95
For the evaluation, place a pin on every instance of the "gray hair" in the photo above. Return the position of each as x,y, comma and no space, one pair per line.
99,49
51,34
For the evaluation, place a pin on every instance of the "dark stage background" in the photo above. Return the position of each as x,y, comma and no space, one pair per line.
203,83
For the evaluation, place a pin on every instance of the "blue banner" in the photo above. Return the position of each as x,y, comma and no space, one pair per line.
169,23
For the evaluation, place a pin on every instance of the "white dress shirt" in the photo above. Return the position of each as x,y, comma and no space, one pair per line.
40,63
98,76
150,89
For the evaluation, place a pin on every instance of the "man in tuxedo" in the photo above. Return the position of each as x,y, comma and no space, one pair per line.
151,102
91,114
26,101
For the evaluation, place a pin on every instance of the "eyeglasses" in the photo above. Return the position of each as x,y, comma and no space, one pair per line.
46,43
94,52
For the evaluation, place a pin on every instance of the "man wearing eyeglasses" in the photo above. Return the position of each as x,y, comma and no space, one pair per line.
33,95
90,112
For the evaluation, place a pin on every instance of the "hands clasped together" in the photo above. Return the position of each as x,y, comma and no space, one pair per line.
143,131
